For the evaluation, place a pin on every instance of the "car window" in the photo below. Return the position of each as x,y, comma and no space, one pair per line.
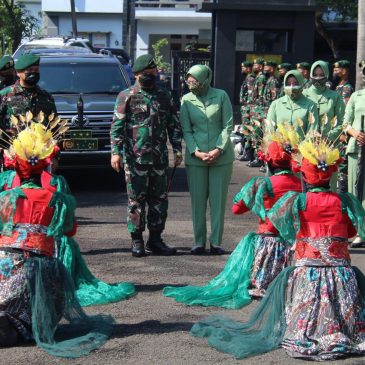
81,77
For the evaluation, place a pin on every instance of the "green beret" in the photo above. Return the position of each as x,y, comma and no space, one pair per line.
26,60
271,63
342,64
304,65
6,62
246,64
259,61
143,62
285,65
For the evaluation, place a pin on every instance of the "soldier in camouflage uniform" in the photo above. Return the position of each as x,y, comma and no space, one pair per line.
143,118
272,87
341,79
25,95
283,69
7,72
304,69
257,106
246,91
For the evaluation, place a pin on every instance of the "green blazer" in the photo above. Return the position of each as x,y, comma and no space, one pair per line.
355,108
286,110
207,123
331,103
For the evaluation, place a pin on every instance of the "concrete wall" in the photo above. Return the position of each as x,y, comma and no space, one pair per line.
145,28
85,6
93,24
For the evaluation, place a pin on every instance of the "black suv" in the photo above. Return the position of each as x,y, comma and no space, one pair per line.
85,88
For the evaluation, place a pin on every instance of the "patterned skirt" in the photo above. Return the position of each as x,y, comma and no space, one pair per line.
325,314
14,293
272,255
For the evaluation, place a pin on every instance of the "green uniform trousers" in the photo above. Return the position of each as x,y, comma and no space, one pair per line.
208,183
352,162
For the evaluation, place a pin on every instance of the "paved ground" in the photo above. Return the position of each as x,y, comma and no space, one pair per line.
152,329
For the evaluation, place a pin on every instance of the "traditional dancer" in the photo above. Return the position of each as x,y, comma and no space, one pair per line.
89,289
315,310
36,291
261,256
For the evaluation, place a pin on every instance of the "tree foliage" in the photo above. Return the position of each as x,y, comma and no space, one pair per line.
16,23
345,9
158,56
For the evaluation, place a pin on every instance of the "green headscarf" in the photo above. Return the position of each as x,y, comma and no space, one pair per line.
203,74
296,91
323,65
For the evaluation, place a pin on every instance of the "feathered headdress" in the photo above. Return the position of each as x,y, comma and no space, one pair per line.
32,149
277,146
317,159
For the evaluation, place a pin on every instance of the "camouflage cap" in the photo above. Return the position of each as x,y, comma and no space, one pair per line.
342,64
304,65
246,64
259,61
6,62
285,65
143,62
270,63
26,61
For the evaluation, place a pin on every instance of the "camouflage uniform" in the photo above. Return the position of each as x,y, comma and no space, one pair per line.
307,84
15,100
257,106
139,132
245,96
271,92
345,90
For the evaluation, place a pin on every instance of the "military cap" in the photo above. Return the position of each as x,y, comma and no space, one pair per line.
259,61
6,62
26,60
285,65
271,63
246,64
342,64
143,62
304,65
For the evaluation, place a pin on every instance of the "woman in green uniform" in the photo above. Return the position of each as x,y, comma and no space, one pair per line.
355,108
207,120
293,108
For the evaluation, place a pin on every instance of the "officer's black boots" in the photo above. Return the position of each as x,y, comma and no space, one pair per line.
137,244
157,246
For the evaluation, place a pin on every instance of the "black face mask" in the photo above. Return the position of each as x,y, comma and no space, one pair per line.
32,78
281,78
319,82
147,81
266,74
336,79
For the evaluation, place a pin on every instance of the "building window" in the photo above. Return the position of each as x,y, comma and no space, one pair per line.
264,41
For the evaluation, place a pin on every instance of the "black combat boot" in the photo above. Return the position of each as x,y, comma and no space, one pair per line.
157,246
137,244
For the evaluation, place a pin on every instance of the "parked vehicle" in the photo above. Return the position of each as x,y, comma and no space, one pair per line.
46,41
85,87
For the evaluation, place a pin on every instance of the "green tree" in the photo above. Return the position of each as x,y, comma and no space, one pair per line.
16,23
158,56
345,10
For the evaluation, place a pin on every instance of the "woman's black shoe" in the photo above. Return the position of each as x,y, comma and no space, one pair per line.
197,250
216,250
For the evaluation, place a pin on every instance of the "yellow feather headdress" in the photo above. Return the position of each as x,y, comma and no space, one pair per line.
285,135
35,139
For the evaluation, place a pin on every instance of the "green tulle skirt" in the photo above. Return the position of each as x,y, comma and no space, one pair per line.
89,289
266,327
230,288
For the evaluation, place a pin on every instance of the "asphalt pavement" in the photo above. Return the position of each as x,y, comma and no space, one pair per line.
152,329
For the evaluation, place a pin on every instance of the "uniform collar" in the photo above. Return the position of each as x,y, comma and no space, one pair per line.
19,89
